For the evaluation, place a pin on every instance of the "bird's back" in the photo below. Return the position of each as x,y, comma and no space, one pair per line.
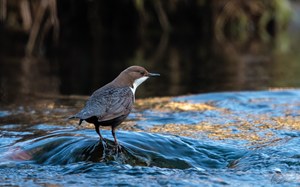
107,103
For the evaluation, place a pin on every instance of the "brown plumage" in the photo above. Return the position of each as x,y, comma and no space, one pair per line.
112,103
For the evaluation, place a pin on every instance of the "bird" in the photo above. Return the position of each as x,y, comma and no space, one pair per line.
111,104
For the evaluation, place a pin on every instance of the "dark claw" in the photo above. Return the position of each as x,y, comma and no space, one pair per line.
118,148
104,143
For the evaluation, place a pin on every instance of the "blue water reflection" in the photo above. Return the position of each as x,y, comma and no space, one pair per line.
66,155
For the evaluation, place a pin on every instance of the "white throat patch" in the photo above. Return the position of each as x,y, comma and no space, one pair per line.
137,82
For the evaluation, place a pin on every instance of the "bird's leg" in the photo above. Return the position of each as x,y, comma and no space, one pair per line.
115,139
80,121
98,132
114,135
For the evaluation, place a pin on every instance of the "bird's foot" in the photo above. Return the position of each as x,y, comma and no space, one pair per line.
118,148
104,143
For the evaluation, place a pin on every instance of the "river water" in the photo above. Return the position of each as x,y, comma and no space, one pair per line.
216,139
232,137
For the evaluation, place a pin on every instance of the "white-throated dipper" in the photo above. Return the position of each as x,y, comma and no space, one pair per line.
112,103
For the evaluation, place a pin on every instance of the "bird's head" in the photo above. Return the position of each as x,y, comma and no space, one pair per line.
134,76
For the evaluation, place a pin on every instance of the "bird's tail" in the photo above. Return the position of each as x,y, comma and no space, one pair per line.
75,117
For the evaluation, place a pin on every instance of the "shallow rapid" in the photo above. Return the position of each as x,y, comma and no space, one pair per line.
217,139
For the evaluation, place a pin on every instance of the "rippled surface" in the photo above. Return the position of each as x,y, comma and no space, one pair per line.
241,138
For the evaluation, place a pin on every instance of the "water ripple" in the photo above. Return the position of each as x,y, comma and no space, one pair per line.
237,139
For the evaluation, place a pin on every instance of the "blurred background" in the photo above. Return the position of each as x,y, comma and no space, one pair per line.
65,47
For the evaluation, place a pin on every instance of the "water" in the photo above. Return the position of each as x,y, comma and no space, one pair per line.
217,139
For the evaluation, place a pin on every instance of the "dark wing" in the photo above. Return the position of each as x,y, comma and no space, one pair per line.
108,103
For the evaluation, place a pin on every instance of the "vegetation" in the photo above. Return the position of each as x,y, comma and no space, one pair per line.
237,19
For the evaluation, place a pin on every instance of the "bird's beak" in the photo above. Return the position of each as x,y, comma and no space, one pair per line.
153,75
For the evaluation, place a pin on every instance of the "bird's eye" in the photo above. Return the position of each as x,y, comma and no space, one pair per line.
142,72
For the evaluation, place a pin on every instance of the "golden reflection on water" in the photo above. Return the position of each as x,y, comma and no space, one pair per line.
242,125
166,104
255,128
